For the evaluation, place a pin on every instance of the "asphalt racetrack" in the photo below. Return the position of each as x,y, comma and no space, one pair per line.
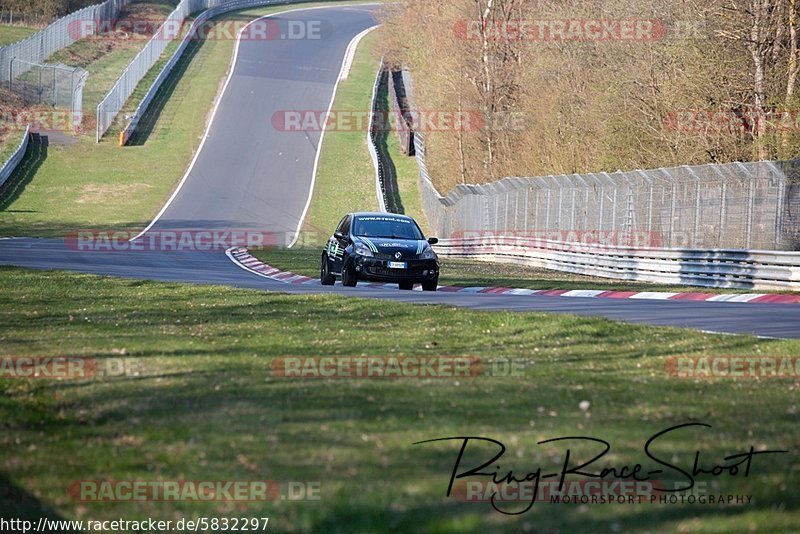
250,175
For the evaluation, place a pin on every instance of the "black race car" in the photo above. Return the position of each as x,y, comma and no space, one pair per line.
380,247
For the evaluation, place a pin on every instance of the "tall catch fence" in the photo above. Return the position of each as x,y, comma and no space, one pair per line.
22,67
60,34
733,205
59,86
737,205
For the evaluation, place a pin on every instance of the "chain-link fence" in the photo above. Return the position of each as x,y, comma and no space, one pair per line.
63,32
54,85
734,205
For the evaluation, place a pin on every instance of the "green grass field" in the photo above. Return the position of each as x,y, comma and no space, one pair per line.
12,33
206,406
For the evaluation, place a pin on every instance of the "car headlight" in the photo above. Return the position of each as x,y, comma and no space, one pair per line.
428,254
362,249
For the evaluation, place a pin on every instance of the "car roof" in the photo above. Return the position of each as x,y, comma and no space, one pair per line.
379,214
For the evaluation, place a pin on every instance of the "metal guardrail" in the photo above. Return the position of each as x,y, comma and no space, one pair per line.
742,269
380,191
12,162
140,66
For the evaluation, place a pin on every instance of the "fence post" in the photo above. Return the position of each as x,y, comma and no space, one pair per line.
696,228
779,211
750,202
572,213
600,214
547,212
525,218
722,202
614,209
672,210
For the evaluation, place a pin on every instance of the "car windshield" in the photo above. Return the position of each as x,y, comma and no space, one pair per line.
389,227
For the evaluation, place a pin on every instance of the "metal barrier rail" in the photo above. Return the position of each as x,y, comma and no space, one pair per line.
12,162
743,269
206,15
380,190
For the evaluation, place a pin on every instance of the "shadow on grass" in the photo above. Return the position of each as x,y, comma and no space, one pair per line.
16,503
24,173
148,122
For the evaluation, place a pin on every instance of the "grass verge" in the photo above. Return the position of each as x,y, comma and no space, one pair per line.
345,178
86,185
345,157
11,33
205,406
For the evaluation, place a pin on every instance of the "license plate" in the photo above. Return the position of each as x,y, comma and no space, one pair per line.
397,265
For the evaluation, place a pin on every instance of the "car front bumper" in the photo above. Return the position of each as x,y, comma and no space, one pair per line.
378,270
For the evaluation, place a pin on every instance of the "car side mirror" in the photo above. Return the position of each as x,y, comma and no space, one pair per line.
338,235
433,240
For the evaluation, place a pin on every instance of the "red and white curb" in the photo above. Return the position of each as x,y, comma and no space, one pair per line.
242,258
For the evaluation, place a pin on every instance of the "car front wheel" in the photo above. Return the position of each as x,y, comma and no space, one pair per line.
406,286
348,277
430,285
325,276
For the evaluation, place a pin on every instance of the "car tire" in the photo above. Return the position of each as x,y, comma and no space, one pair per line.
406,286
349,278
325,276
430,285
